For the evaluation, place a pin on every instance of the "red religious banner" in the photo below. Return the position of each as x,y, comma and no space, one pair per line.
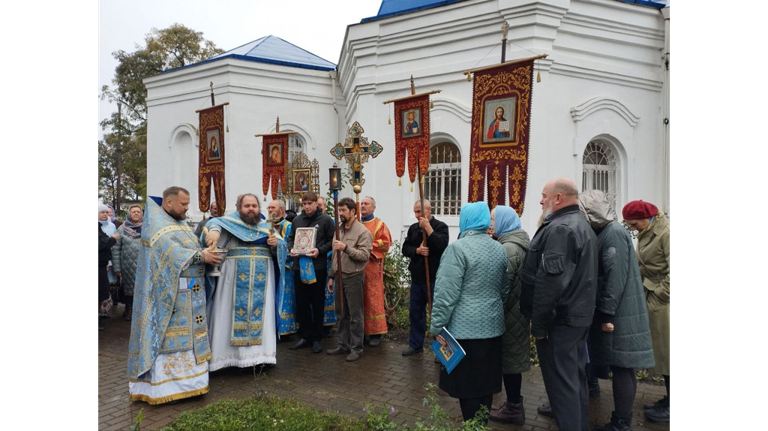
412,134
501,112
274,154
211,167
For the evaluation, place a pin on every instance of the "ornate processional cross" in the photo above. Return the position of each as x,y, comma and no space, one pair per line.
356,151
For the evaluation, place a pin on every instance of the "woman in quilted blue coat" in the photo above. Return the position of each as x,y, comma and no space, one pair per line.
471,289
125,255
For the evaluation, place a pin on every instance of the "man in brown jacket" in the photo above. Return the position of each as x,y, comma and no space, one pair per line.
354,246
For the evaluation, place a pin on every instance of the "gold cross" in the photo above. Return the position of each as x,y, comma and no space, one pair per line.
243,277
167,304
240,312
256,312
260,277
199,319
196,288
356,151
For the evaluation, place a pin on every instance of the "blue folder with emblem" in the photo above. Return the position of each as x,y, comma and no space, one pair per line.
451,354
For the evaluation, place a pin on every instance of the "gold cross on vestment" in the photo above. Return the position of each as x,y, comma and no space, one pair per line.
260,277
199,319
256,312
196,288
243,277
240,312
167,304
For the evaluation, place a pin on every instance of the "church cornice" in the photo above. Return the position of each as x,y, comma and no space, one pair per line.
580,112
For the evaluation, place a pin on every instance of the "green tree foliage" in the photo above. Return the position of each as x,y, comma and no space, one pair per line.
169,48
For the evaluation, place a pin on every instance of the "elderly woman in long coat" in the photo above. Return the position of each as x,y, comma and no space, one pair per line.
653,256
125,255
620,336
516,348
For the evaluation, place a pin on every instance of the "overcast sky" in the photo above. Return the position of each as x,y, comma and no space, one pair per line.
316,26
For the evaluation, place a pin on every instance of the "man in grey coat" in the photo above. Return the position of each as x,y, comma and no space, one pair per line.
559,285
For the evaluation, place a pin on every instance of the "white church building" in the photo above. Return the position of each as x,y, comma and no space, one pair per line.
600,113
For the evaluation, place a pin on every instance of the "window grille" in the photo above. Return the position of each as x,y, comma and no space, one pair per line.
442,184
600,169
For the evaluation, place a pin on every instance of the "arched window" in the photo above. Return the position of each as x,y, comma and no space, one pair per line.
600,169
442,184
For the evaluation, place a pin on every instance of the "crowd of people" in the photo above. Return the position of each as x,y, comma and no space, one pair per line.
593,301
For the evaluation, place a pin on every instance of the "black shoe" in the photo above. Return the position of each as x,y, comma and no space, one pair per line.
652,406
300,344
337,351
616,424
317,347
546,410
411,351
375,340
658,414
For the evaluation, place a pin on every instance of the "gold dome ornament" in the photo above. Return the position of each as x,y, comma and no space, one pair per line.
357,188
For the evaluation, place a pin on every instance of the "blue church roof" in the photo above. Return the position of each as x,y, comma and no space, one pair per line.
398,7
272,50
390,8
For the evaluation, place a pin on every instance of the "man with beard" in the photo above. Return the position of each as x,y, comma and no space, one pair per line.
559,287
241,313
375,317
286,303
353,248
310,272
168,351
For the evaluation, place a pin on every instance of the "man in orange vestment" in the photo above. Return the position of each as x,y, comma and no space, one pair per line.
375,317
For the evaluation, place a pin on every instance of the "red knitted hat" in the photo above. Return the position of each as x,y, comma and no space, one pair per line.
636,210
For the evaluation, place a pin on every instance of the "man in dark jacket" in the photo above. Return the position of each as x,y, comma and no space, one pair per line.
415,248
310,294
559,286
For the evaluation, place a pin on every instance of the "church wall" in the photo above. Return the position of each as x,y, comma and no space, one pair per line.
257,94
599,50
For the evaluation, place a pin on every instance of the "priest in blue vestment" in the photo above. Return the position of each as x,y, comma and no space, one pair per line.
168,350
242,312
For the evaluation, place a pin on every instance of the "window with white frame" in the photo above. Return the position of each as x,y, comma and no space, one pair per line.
600,169
442,184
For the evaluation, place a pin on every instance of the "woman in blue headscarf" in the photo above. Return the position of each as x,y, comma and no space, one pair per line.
505,227
470,292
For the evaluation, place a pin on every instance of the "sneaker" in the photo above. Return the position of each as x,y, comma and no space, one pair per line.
509,413
352,357
411,351
301,344
652,406
546,410
317,347
337,351
659,414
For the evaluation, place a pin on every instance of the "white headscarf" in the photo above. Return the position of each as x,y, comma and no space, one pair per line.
106,226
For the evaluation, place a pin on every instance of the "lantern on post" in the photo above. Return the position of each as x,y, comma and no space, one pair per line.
334,184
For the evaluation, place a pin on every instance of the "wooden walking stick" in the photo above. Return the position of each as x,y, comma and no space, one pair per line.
424,241
338,252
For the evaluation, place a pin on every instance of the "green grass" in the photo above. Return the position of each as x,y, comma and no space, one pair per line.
261,413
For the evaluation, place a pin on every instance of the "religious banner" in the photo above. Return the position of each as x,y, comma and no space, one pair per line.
211,165
412,135
500,131
274,156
